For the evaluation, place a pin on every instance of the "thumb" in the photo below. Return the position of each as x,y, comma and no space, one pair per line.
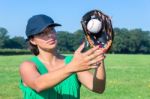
80,48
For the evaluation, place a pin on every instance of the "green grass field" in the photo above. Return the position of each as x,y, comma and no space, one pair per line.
128,77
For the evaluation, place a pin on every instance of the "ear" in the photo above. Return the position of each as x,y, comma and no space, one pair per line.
32,41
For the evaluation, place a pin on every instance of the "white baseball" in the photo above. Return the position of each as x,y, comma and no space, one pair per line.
94,25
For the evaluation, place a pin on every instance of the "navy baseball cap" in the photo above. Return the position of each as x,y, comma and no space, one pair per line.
38,23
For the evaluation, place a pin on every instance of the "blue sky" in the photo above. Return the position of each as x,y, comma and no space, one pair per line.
128,14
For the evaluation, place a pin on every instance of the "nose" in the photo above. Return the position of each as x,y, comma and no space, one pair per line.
51,35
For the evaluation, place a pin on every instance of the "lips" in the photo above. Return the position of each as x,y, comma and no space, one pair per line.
52,41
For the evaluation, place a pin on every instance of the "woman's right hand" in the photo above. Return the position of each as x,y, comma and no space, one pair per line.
86,60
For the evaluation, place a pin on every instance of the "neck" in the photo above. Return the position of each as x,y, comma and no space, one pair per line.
48,57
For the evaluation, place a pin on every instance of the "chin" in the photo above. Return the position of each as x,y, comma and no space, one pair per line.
52,46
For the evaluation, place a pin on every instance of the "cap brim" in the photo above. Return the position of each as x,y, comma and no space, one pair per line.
50,25
54,24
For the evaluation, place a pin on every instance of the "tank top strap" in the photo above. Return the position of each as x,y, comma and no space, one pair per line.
68,59
40,66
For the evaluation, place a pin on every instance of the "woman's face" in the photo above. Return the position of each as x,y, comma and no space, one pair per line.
46,39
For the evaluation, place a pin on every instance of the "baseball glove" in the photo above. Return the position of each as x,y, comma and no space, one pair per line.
104,36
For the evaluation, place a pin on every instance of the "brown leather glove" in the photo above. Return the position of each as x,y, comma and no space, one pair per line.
105,36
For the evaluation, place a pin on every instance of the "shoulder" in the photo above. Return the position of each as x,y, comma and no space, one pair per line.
27,65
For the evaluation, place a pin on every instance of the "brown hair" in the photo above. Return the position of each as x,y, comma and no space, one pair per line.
33,48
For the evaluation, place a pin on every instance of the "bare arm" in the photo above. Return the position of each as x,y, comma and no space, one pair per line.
33,79
80,62
95,82
99,79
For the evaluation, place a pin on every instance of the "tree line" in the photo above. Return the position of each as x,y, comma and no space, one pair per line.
125,41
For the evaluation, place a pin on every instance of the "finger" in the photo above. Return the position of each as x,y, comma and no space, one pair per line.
94,55
99,51
80,47
93,67
102,49
97,60
91,50
100,58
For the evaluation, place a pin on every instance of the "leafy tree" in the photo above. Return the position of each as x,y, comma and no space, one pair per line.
78,38
131,41
16,42
144,46
3,36
125,41
120,41
64,41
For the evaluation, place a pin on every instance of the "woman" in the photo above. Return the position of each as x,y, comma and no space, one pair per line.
49,75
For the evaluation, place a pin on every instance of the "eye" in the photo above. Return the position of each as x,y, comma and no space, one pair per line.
53,30
41,34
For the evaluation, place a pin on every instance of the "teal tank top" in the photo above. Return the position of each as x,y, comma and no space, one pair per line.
69,88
